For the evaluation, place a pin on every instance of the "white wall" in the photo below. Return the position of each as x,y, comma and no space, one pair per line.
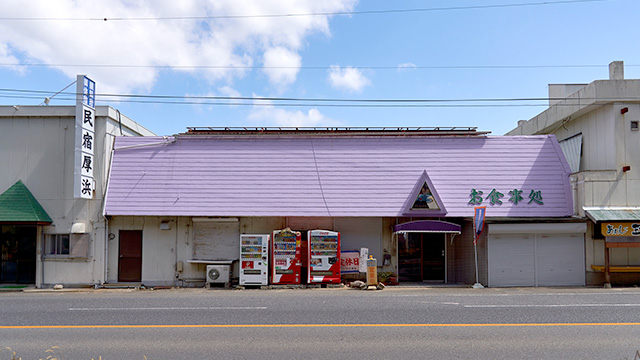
37,146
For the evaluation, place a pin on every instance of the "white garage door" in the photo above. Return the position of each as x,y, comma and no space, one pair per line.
560,259
536,260
511,260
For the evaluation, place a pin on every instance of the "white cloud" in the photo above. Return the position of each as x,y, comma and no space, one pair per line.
281,65
265,114
219,43
228,91
406,66
7,58
349,78
202,101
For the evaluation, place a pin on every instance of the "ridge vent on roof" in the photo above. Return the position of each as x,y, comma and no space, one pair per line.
350,131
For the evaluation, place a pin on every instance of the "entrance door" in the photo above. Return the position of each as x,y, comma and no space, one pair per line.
421,257
130,255
18,254
432,257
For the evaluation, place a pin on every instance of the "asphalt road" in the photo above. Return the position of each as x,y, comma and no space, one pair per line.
427,323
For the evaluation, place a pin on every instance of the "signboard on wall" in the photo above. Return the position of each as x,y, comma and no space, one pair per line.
618,229
350,261
83,180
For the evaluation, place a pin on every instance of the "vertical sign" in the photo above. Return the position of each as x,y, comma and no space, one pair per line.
478,222
83,181
372,271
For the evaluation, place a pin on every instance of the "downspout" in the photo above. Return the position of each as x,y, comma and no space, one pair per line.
105,259
106,250
177,273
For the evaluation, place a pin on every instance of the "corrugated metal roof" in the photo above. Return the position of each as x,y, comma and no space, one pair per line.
572,149
17,204
613,214
334,176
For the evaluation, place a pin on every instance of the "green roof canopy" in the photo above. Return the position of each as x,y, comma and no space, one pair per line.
613,214
17,204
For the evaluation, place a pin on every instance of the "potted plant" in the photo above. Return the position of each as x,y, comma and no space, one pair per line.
388,277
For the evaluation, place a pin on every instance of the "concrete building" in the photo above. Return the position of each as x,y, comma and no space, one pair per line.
597,125
49,236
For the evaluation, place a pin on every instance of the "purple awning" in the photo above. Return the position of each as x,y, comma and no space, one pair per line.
430,226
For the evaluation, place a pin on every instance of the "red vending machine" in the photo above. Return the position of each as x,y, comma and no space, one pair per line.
285,257
324,257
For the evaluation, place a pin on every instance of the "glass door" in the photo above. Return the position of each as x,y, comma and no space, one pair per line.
421,257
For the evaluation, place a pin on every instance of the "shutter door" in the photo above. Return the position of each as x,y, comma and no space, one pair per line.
560,260
216,240
511,260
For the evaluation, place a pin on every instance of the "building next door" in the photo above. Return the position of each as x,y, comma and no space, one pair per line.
18,254
421,257
130,256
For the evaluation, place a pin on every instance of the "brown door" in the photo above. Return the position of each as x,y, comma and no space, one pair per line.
130,255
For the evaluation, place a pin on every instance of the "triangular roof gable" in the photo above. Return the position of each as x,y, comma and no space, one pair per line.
17,204
424,199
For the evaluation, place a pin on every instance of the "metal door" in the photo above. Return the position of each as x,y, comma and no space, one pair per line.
130,256
511,260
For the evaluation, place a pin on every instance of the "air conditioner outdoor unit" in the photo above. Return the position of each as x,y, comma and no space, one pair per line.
218,274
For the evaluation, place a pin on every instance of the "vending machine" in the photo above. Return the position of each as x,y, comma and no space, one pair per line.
324,257
254,261
285,257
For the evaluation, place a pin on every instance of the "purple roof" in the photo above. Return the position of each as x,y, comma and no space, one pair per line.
343,176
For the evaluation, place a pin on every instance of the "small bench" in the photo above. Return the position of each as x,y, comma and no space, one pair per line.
617,269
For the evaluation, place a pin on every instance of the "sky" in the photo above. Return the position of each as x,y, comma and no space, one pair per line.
169,65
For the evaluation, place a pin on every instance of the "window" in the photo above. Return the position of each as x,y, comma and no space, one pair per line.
67,245
58,244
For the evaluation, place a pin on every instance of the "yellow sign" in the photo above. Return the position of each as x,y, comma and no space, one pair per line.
620,229
372,272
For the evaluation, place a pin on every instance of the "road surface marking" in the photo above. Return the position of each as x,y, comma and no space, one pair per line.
551,305
71,327
174,308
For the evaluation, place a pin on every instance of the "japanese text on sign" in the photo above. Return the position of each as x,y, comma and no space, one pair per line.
495,197
349,261
620,229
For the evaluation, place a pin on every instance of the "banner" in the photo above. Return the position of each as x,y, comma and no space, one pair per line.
478,222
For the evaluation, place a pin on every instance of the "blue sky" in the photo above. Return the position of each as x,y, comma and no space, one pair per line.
349,50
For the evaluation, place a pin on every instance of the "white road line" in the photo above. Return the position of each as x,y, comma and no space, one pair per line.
634,293
551,305
174,308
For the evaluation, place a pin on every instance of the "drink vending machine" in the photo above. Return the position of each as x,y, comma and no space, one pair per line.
324,257
285,257
254,262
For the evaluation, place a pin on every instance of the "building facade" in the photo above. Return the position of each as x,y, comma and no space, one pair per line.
49,236
178,203
597,125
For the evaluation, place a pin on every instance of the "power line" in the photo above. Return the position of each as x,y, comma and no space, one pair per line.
263,104
348,13
369,67
297,102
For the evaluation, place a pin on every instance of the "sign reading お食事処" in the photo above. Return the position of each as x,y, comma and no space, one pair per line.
83,181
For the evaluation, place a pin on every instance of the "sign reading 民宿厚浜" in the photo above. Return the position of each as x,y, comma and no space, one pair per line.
83,181
620,229
515,196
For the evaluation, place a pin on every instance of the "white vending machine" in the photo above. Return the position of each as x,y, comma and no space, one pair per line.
254,259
